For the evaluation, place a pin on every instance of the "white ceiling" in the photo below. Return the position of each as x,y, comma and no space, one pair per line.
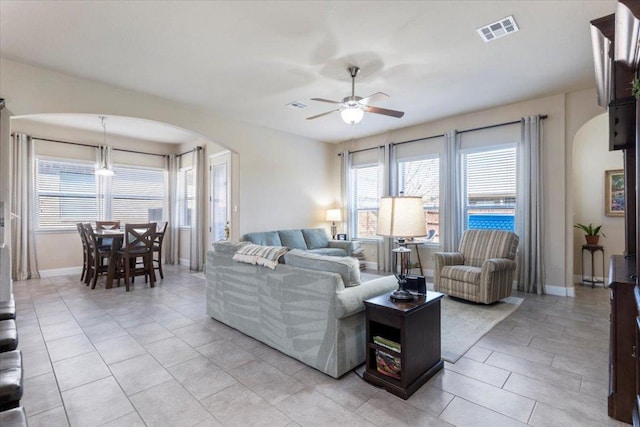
249,59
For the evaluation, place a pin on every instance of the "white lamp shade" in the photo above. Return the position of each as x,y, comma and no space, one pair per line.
352,115
334,215
401,217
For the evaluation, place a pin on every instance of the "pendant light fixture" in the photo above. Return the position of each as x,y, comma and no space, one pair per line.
105,165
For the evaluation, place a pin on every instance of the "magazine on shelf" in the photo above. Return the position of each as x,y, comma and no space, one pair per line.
383,342
388,365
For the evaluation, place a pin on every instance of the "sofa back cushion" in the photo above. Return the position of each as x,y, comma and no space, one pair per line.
266,238
293,239
348,268
315,238
480,245
227,247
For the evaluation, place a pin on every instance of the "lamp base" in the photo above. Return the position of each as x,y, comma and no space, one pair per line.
401,295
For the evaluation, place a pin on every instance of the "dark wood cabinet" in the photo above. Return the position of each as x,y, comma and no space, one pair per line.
415,325
622,351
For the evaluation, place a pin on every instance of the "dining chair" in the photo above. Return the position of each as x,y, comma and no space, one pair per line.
138,243
107,225
157,247
85,253
98,254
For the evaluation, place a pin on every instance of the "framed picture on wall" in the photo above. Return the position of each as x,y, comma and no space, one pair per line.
614,192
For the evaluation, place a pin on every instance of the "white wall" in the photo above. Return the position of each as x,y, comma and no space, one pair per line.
566,113
591,158
285,181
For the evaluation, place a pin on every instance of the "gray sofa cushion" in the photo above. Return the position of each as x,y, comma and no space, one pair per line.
266,238
293,239
329,251
227,247
348,268
315,238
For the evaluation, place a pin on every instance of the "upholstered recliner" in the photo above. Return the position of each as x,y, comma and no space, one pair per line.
483,268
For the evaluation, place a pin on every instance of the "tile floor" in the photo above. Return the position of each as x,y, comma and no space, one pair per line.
153,357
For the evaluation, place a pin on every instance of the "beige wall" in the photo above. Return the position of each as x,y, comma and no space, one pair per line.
591,158
566,113
284,181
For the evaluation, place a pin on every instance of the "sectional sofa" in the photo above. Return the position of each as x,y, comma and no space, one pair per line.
314,240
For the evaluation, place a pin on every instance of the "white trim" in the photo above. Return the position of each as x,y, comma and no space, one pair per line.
560,291
184,261
54,272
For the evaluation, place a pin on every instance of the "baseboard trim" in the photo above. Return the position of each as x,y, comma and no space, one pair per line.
55,272
184,261
560,291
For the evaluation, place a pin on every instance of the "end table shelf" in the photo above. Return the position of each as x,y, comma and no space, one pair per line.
415,327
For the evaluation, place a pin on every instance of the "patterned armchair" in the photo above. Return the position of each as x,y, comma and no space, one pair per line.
483,268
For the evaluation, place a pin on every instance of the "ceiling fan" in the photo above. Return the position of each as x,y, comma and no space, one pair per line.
353,107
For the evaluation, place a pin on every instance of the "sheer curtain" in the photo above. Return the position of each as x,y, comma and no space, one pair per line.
347,196
24,264
530,207
385,244
198,219
171,237
452,209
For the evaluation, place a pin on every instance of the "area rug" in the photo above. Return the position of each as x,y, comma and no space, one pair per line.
463,323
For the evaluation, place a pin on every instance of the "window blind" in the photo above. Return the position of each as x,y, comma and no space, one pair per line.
138,195
66,193
186,200
422,178
366,201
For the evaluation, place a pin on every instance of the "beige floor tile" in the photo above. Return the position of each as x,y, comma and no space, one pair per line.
96,403
238,406
309,408
499,400
65,348
149,332
31,342
132,419
40,394
79,370
60,330
226,354
349,390
119,349
104,330
548,416
265,380
201,377
169,404
196,335
139,373
527,353
35,363
479,371
55,417
461,412
478,354
171,351
278,360
430,399
385,409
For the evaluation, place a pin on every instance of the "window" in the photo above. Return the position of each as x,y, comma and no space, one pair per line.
421,177
186,196
366,198
68,192
65,193
137,194
489,188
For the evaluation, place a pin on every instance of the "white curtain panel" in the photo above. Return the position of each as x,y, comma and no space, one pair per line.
530,207
345,173
385,244
452,200
171,235
198,220
24,264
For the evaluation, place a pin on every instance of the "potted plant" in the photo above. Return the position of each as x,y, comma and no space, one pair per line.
592,233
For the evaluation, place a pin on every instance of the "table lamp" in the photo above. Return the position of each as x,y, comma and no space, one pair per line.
401,217
334,215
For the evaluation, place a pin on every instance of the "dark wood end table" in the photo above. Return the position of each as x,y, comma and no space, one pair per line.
415,325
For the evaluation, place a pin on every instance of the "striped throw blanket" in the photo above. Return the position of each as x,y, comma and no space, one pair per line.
260,255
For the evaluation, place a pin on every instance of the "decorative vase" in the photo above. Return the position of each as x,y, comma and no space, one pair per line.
592,240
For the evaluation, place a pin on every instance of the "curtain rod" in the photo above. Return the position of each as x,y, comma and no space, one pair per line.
363,149
542,117
95,146
417,139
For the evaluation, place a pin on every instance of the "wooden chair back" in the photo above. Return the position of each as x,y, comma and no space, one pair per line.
139,238
107,225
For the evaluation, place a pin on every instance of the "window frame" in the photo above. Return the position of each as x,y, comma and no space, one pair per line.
183,197
354,198
109,192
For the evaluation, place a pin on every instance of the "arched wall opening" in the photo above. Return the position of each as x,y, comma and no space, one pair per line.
591,160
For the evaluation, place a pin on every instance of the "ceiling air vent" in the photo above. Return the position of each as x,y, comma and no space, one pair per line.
498,29
296,105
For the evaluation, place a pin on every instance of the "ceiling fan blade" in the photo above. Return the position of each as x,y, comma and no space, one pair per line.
326,100
377,110
323,114
378,96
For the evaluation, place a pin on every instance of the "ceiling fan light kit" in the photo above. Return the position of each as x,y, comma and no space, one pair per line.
352,108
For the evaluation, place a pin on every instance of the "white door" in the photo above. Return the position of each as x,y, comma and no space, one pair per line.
219,196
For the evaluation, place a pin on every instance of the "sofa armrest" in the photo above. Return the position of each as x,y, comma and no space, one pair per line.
347,245
448,258
498,264
351,300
